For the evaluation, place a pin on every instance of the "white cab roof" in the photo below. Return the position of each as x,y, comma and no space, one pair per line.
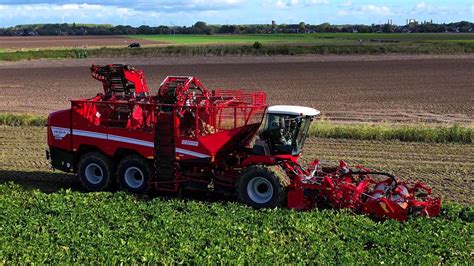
293,110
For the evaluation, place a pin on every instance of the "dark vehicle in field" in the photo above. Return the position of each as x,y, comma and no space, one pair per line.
134,45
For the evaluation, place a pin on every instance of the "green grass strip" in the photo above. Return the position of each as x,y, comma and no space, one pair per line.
407,132
68,227
22,120
41,54
313,38
323,129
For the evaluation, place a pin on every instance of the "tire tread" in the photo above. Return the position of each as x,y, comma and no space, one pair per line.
260,170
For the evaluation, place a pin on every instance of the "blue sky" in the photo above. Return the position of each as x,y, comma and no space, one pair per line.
187,12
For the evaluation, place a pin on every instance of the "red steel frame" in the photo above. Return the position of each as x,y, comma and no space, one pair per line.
112,125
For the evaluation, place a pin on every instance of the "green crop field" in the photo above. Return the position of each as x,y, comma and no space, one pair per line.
74,227
314,38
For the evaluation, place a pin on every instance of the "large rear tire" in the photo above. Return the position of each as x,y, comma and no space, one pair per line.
259,187
134,174
95,171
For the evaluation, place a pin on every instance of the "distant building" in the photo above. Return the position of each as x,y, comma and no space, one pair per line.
412,22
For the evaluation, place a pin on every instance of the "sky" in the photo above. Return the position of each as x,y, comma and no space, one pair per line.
187,12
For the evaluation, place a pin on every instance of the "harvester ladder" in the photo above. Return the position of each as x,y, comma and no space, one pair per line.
165,151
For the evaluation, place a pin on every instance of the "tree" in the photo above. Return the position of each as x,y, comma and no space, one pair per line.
302,27
323,27
200,27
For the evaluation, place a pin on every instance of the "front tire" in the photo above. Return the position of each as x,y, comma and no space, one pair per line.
259,187
95,171
134,174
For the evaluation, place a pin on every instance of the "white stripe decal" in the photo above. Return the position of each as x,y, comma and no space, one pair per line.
89,134
140,142
192,153
60,128
131,141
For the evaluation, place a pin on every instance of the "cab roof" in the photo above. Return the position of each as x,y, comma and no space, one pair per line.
293,110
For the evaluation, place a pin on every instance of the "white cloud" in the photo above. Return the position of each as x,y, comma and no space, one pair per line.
76,7
151,5
343,13
209,4
422,5
317,2
346,4
112,12
88,13
423,8
294,2
217,2
282,4
373,9
56,13
367,10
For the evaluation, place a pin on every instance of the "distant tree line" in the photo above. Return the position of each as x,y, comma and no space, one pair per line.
203,28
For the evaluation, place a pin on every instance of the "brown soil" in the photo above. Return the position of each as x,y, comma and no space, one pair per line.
33,42
345,89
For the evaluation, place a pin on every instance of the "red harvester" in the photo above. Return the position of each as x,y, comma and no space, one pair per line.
228,141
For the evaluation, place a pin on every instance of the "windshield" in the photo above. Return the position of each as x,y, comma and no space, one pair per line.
286,133
305,122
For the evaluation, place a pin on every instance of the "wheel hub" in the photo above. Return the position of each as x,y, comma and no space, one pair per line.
260,190
94,173
134,177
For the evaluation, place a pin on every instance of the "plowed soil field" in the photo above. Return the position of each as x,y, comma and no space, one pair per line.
36,42
448,168
346,89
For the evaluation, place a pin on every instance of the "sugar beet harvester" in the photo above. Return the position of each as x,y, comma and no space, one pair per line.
185,137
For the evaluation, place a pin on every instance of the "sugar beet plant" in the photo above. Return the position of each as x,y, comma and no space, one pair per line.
116,227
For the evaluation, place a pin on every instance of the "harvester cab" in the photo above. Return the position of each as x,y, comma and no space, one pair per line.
285,130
